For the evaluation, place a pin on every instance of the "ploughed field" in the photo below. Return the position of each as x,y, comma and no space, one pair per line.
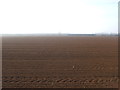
60,62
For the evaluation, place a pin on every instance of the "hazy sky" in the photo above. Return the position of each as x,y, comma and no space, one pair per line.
58,16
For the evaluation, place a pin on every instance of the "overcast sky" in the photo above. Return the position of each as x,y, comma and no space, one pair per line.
58,16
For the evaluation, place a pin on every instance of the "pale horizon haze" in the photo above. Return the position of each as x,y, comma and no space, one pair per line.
58,16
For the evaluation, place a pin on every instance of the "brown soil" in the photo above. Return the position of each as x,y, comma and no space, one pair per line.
60,62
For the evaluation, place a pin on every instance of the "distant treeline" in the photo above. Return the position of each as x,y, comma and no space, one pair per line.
92,34
60,34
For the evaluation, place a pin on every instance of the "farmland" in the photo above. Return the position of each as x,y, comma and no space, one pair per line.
60,62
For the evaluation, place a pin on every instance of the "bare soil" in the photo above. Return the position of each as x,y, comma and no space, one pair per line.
60,62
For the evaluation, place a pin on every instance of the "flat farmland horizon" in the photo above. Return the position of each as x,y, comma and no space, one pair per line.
60,61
